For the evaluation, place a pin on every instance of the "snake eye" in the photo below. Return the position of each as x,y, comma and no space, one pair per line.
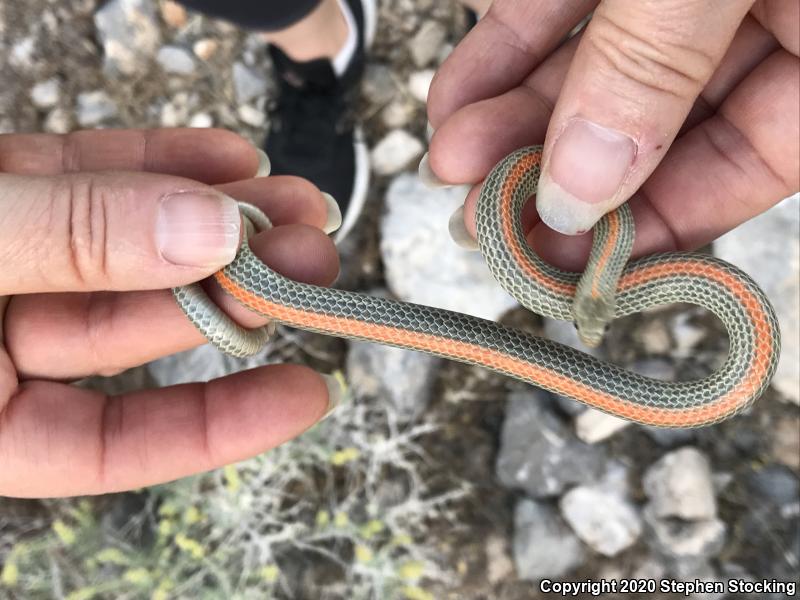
607,327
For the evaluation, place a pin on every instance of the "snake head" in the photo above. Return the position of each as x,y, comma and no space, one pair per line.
592,318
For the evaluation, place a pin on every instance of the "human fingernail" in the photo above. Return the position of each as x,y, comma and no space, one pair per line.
427,176
586,168
336,387
334,218
198,228
458,230
264,165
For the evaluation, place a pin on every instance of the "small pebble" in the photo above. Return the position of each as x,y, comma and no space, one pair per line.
176,60
46,94
395,152
205,48
419,83
201,120
251,115
174,14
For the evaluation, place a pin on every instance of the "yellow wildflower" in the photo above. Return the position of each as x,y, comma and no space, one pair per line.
192,515
10,575
113,556
232,481
270,573
64,532
190,546
162,592
140,576
82,594
344,456
402,539
168,509
165,527
411,570
363,554
323,518
371,528
413,592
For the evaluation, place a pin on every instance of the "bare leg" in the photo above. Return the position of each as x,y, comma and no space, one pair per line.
322,34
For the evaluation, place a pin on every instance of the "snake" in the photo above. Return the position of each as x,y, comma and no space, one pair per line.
611,286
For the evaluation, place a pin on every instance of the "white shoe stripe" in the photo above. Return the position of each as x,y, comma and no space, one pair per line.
360,186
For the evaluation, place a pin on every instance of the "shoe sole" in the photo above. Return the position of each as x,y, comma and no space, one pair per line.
360,186
370,8
362,171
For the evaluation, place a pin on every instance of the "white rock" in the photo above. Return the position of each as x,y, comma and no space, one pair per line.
593,426
21,55
176,60
59,120
247,83
379,84
427,42
200,364
174,14
543,545
169,115
201,120
538,452
397,114
422,264
499,566
655,336
603,520
679,539
396,151
655,368
419,83
403,377
205,48
768,249
692,569
46,94
680,485
94,108
129,32
687,335
650,568
251,115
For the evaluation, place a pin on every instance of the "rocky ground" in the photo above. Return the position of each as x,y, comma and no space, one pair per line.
436,480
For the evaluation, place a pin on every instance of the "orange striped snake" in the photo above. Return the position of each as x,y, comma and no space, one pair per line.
610,287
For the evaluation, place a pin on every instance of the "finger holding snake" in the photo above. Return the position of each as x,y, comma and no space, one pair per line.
89,239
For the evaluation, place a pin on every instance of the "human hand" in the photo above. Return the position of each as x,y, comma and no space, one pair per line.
95,227
724,77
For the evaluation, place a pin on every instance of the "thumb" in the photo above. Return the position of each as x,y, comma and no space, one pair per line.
111,231
637,71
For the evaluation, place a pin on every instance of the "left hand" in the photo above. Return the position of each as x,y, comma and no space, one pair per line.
95,227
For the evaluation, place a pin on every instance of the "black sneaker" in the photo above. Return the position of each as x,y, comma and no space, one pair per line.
314,130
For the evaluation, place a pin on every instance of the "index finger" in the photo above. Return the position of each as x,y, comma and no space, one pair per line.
212,156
